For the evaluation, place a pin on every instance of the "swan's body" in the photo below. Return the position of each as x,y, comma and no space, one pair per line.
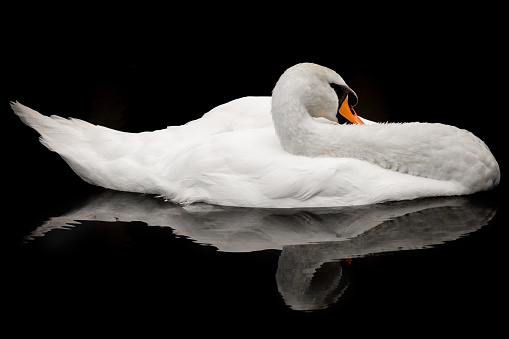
238,155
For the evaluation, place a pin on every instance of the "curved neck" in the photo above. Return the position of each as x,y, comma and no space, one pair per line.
417,149
300,134
292,124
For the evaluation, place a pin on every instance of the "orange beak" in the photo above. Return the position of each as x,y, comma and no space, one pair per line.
347,111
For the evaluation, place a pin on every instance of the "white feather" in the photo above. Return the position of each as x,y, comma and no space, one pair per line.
239,155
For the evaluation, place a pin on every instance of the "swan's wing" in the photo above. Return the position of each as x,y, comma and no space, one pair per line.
239,114
250,168
132,161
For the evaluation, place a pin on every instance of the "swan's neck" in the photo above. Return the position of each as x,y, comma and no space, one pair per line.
290,123
300,134
432,151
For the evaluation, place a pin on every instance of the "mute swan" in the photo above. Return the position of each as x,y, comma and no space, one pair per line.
238,155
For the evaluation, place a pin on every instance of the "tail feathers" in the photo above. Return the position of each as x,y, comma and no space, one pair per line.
99,155
30,117
56,132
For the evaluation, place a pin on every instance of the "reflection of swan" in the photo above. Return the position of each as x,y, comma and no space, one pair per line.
309,238
387,227
234,155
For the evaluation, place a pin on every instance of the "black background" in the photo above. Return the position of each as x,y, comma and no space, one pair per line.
140,67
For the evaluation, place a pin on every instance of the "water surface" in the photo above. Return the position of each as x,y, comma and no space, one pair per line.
129,247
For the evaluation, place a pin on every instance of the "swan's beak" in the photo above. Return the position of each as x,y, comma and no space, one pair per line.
348,112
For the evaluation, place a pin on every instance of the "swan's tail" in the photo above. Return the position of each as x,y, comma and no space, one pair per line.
57,134
99,155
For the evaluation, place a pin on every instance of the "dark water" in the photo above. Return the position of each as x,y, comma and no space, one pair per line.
123,255
87,257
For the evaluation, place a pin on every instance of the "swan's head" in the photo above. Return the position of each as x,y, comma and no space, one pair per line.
317,89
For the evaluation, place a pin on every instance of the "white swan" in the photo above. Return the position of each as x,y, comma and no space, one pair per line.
237,155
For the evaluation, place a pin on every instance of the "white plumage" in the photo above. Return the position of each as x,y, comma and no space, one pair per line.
239,154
